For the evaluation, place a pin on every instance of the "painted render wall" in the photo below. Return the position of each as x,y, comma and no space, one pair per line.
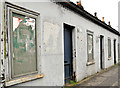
51,41
119,47
119,27
0,32
1,38
0,24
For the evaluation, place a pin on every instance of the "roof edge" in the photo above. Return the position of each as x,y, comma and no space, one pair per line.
84,13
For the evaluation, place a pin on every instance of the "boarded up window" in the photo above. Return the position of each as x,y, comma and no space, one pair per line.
90,47
109,48
23,45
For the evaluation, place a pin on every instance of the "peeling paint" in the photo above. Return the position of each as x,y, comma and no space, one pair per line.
50,36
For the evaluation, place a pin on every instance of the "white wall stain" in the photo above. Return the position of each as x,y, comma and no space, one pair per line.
50,36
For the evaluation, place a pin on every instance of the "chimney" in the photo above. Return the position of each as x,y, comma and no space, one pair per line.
103,19
109,23
79,4
95,14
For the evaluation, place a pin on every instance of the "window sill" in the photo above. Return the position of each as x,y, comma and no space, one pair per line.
110,58
23,79
90,63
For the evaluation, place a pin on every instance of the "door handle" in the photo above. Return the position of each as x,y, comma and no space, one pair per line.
65,61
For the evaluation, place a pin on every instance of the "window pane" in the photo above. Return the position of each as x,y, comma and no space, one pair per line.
109,48
23,45
90,47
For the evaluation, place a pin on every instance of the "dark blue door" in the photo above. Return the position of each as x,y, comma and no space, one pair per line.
68,55
114,51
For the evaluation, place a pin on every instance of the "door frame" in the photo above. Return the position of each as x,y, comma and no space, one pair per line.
73,35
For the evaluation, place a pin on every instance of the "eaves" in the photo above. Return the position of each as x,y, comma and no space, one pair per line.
75,8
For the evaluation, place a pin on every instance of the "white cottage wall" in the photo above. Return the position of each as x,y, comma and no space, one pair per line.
51,40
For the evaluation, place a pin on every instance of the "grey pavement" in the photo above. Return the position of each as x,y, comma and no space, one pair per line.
107,78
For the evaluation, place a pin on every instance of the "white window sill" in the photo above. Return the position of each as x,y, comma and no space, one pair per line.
90,63
110,58
23,79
